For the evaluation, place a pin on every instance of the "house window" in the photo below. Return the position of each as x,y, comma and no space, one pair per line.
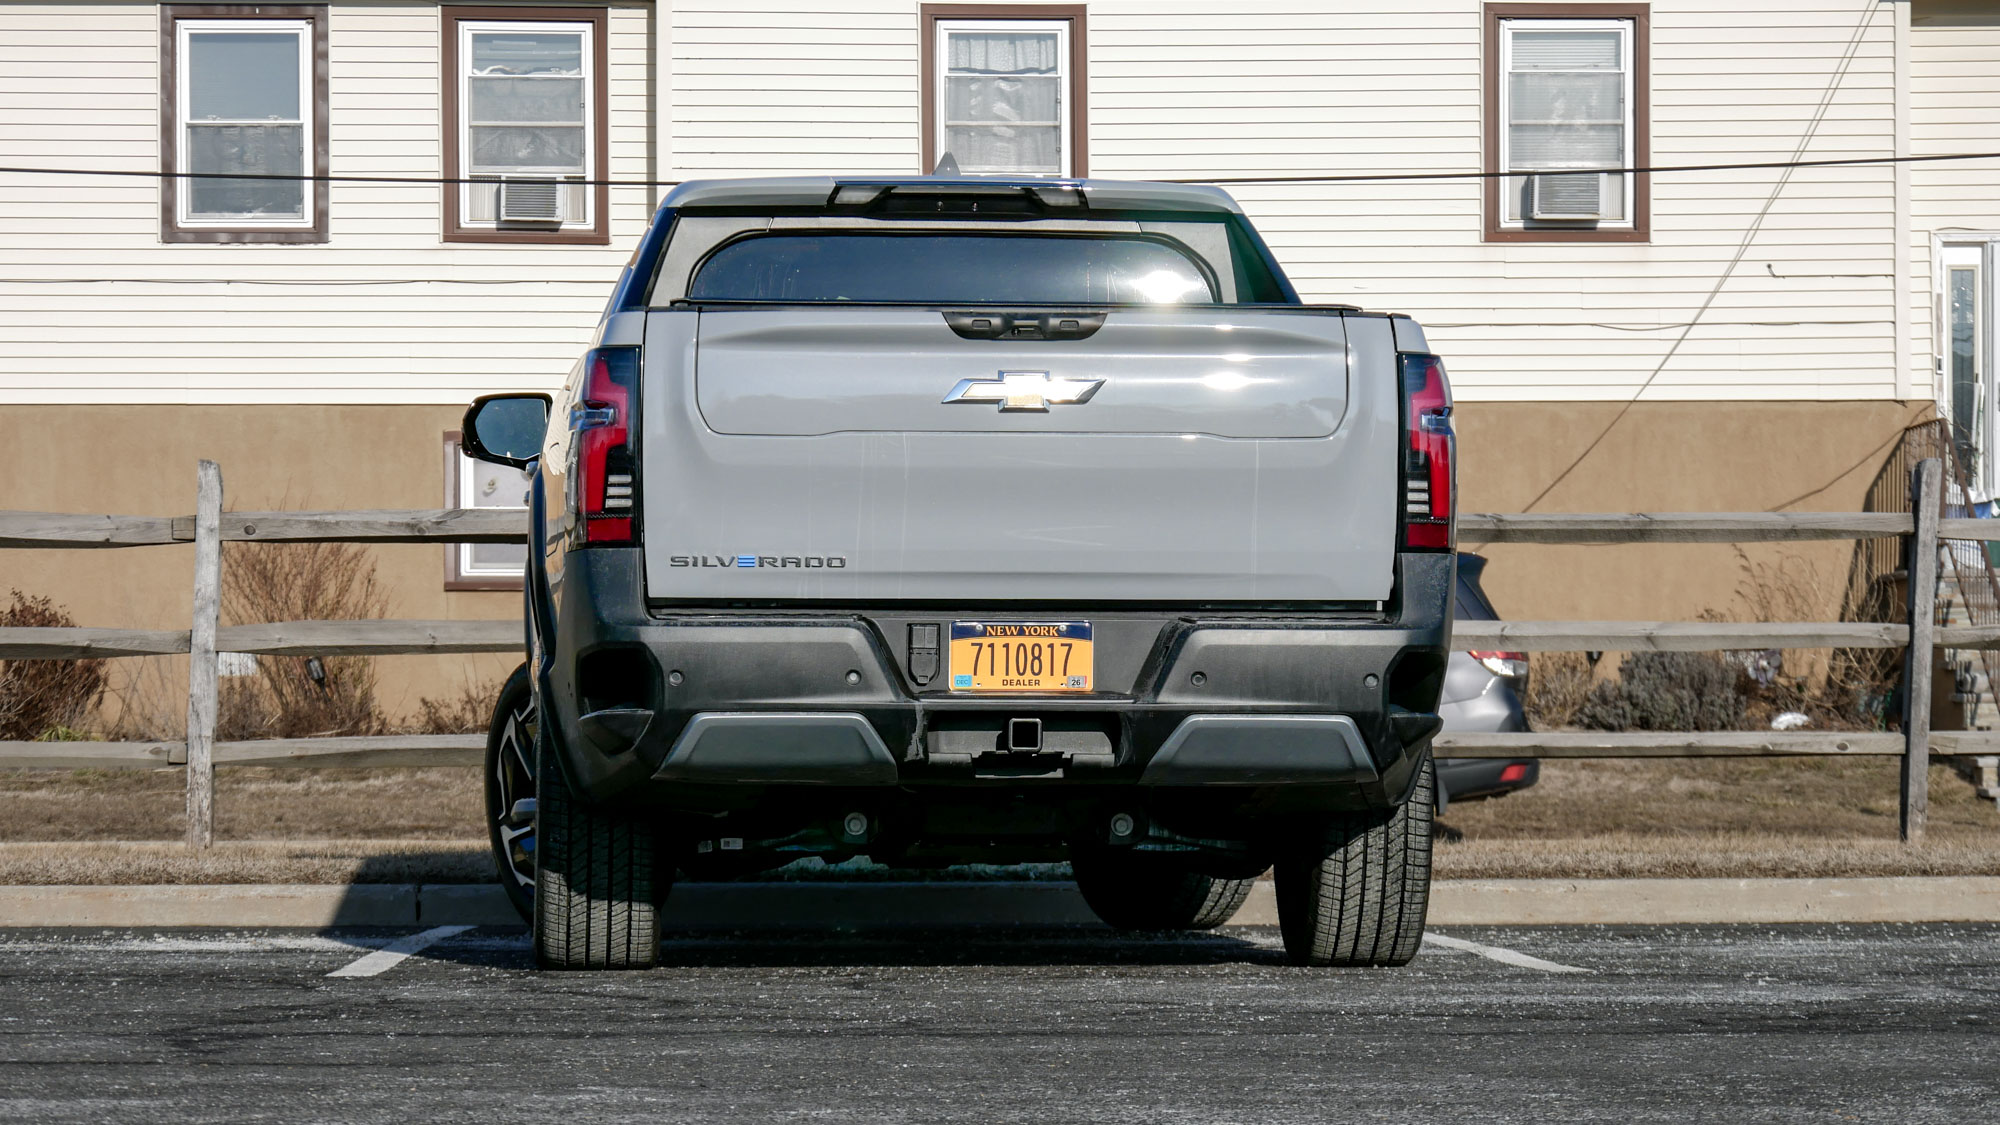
479,484
1566,98
1003,89
525,121
243,91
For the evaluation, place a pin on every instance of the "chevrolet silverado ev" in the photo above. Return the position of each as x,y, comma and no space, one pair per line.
977,520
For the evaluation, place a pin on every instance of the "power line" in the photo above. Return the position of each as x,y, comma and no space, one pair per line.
1854,40
1317,178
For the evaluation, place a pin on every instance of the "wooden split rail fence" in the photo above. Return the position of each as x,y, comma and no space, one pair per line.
204,640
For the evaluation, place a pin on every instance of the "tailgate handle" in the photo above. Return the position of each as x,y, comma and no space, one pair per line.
991,325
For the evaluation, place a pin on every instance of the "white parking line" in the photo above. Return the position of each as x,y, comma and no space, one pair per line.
1504,956
393,954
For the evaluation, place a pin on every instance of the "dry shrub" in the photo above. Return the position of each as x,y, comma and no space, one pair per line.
44,698
1667,691
301,697
1558,683
1743,690
469,712
1836,689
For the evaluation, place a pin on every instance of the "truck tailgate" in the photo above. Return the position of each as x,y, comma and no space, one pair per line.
868,453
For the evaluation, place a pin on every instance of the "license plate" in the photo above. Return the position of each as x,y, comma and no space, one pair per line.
1023,656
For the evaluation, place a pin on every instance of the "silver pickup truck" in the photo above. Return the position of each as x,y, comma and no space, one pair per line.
952,520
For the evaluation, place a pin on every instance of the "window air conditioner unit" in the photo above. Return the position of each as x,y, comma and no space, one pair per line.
532,200
1566,195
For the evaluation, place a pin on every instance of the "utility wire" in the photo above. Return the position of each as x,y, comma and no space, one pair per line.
1327,178
1750,233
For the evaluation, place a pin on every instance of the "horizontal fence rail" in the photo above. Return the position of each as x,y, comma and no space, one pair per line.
486,525
383,750
416,525
1682,527
61,531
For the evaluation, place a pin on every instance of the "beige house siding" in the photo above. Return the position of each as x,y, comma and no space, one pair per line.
1954,107
387,313
93,308
1293,88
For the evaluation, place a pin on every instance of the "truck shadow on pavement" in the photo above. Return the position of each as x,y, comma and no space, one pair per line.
895,947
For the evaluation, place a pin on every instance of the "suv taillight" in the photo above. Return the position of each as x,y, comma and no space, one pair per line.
1430,483
1512,665
604,466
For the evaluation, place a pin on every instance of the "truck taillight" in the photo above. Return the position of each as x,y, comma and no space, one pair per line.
1430,483
604,470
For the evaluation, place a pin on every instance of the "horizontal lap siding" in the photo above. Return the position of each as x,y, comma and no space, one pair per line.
1352,94
765,88
1296,88
99,310
1954,107
93,308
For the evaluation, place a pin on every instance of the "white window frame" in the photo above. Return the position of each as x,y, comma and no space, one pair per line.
1980,253
184,122
461,573
1065,80
1629,127
586,31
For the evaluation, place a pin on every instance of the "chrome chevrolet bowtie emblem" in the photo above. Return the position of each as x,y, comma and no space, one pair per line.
1024,390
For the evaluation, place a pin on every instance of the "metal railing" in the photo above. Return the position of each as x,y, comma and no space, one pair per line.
1921,535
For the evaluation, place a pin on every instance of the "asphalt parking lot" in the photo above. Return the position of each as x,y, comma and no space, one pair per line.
1717,1023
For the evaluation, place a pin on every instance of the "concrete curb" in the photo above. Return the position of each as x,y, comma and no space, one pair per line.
698,907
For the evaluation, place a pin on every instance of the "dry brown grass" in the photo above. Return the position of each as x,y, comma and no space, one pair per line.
300,804
1725,855
1727,818
1830,799
239,861
1720,818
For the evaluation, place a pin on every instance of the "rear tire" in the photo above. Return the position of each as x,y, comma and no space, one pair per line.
1356,892
596,894
1136,891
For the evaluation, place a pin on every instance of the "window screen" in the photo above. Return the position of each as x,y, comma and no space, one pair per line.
245,108
526,111
1567,104
952,269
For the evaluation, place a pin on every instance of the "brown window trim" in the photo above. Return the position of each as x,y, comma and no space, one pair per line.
454,579
927,21
1641,229
599,233
171,229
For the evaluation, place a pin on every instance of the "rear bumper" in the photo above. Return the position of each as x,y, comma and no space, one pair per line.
650,707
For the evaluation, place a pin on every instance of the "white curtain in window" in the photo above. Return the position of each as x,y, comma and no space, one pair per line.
1003,101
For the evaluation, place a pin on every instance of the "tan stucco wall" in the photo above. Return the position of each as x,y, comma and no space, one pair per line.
1659,457
1666,457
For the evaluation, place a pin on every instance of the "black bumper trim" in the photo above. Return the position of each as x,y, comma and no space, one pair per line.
1262,750
791,748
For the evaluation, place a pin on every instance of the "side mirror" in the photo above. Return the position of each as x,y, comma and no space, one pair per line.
506,429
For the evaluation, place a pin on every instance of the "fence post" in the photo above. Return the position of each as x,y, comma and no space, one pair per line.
201,657
1921,565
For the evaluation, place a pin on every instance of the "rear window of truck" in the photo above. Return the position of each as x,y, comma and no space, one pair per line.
932,268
